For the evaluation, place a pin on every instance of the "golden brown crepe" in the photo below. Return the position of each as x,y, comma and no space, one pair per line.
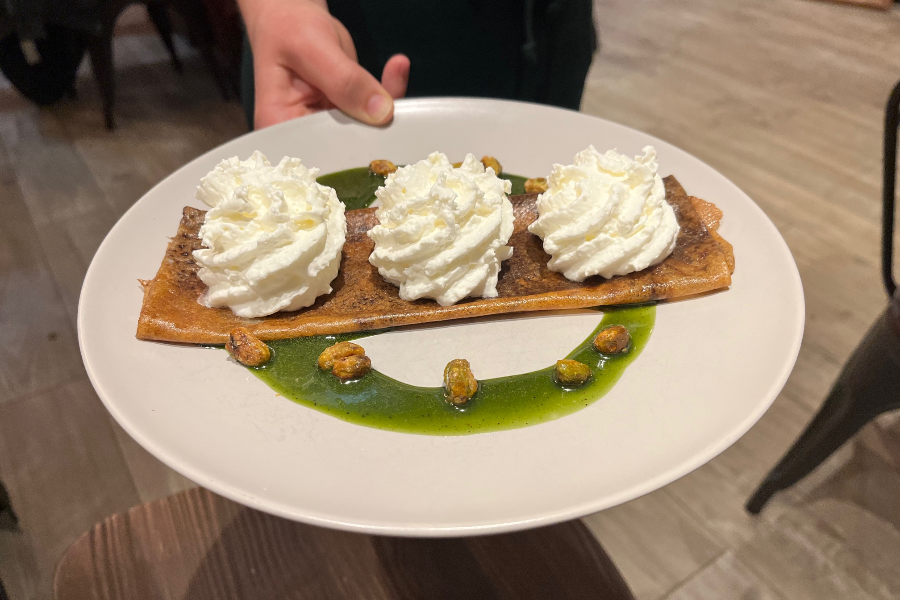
701,262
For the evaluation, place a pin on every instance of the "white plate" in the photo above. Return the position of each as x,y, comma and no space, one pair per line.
711,368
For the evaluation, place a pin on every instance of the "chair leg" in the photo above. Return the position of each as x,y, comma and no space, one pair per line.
195,14
8,519
101,53
868,386
834,424
159,14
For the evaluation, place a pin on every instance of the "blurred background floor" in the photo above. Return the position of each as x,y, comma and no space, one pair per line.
784,97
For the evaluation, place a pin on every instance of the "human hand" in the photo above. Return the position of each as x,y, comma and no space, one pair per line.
304,61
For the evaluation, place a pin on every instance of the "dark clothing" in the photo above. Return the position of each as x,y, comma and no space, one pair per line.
533,50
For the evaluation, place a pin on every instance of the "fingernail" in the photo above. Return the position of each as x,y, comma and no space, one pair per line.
378,108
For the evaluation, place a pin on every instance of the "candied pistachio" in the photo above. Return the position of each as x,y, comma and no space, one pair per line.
490,161
536,185
338,351
459,382
246,348
382,167
572,373
614,339
352,367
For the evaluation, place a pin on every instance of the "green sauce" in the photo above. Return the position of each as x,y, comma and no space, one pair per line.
379,401
517,181
356,187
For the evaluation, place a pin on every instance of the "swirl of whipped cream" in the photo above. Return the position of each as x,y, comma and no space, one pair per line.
443,230
273,236
605,215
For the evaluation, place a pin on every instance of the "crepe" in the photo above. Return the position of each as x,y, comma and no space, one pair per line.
362,300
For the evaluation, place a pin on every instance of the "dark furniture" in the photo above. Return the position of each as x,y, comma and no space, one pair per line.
67,32
48,80
200,30
8,520
100,48
869,383
198,546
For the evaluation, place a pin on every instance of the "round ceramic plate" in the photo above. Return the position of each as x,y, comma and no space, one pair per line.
712,367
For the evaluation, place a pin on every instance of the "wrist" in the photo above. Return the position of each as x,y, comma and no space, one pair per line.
251,9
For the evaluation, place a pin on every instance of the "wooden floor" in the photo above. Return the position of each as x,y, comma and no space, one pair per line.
785,97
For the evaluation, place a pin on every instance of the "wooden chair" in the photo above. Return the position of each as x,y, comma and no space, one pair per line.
198,546
869,383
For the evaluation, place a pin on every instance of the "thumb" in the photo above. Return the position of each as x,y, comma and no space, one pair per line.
324,65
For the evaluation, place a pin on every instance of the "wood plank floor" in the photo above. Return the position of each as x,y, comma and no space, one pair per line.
785,97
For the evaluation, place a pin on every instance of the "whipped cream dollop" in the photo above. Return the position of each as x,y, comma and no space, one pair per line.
273,236
605,215
443,230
